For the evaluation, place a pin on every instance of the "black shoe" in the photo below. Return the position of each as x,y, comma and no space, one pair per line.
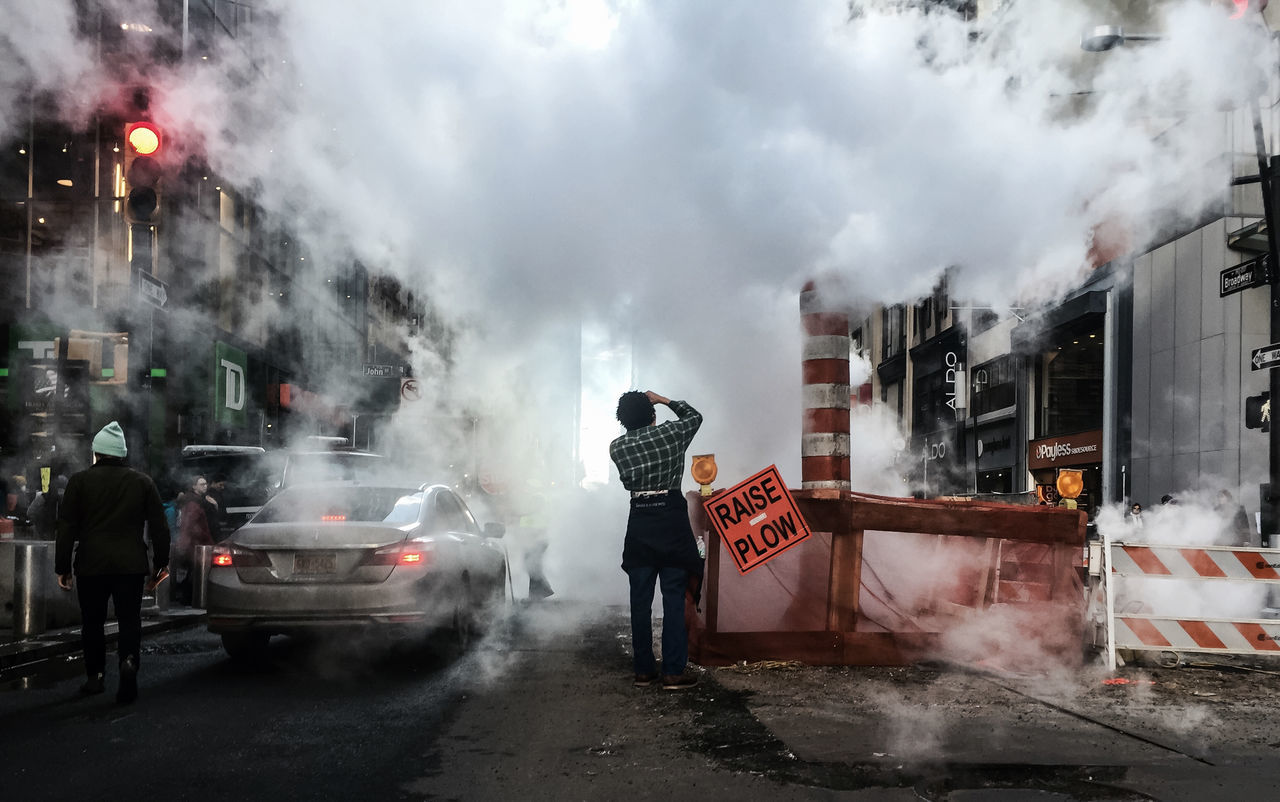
678,682
128,690
539,589
644,680
93,685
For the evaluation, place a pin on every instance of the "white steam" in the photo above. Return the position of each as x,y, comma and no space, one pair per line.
1199,519
673,172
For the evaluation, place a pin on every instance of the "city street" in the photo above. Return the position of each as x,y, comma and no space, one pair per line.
544,710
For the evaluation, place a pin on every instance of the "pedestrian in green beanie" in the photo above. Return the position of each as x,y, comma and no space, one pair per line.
110,441
108,512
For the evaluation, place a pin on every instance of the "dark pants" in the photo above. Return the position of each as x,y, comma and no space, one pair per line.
675,638
94,591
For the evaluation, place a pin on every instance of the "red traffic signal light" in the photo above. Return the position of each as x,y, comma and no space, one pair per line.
1241,7
142,138
143,141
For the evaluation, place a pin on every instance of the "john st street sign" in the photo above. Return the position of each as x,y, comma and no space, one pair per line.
1254,273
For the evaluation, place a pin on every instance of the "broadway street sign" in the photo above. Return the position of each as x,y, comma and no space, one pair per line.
1266,357
1246,275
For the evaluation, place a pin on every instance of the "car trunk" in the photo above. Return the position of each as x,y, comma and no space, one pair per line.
313,552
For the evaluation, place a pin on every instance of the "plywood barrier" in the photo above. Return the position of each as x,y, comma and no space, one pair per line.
891,581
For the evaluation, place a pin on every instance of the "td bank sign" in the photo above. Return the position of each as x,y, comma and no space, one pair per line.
230,392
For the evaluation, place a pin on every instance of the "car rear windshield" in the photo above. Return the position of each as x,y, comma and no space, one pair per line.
340,504
331,467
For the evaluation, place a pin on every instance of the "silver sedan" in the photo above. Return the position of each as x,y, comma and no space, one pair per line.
320,557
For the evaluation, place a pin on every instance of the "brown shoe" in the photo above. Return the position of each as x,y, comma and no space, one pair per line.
678,682
645,680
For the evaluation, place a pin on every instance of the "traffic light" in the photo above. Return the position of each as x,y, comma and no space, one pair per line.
1257,412
142,146
1239,8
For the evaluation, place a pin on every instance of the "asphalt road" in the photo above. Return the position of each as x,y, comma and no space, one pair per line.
543,709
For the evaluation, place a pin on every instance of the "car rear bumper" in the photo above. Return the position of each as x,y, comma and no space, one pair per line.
323,622
235,606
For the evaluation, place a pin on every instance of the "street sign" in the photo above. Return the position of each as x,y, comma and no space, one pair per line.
152,290
380,371
756,519
1246,275
1265,357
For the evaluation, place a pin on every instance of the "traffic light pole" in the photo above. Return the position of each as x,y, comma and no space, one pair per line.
1269,175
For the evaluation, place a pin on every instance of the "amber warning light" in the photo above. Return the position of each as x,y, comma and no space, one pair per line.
704,471
143,138
757,519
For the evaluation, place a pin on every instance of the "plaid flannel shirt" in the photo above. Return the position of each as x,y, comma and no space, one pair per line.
652,457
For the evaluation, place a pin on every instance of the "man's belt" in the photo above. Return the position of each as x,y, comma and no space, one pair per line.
649,493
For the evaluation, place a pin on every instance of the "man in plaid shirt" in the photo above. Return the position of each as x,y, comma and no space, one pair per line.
659,546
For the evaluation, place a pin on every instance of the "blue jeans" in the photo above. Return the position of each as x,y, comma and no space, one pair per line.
675,638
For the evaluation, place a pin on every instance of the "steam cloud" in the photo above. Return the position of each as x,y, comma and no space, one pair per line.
668,174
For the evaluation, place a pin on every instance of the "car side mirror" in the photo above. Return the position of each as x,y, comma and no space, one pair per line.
494,529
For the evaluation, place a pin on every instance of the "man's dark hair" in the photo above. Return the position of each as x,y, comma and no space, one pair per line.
635,410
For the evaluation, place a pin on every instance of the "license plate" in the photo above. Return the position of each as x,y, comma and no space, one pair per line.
315,563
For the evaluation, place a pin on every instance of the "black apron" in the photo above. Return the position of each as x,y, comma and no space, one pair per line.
659,536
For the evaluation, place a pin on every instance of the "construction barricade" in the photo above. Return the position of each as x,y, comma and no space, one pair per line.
1153,632
891,581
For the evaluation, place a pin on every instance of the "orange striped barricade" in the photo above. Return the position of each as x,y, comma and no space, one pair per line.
1181,634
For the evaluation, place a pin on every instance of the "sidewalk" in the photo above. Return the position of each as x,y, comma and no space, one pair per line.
556,702
24,657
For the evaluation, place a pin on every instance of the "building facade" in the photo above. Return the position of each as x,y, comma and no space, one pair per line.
1138,377
190,314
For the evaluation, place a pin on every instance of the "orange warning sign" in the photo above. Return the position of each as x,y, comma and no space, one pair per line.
757,519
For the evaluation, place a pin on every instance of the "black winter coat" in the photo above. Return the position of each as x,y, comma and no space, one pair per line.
102,517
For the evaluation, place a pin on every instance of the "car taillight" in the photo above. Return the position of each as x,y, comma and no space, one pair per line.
225,555
409,553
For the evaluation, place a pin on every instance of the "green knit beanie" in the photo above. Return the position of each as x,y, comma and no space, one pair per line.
110,441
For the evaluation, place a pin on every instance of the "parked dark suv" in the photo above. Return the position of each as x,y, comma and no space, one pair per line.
252,474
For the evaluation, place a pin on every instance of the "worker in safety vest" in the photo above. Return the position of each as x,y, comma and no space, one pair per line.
531,507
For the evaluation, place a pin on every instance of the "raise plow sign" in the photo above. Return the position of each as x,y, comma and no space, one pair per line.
756,519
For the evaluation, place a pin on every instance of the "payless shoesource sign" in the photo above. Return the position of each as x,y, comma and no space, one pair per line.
1082,448
231,390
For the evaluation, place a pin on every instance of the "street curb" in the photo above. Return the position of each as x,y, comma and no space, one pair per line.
24,657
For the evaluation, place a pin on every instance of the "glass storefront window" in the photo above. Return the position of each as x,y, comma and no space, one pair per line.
1071,395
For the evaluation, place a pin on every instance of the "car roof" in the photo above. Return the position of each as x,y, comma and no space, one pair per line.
207,450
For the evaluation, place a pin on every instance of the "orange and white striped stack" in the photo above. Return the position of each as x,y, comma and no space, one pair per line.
824,449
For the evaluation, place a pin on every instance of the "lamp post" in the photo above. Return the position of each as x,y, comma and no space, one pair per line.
1106,37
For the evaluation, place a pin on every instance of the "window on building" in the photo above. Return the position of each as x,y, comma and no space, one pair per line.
1071,396
993,385
923,317
894,323
997,481
934,403
983,319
